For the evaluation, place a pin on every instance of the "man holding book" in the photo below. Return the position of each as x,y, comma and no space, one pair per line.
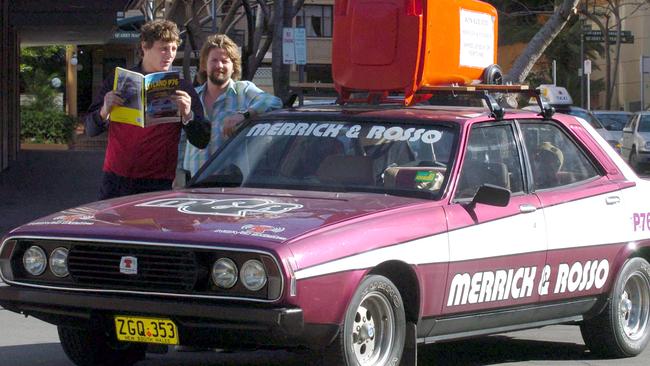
227,100
144,159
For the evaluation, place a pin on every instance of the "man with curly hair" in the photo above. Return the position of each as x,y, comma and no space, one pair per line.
144,159
227,100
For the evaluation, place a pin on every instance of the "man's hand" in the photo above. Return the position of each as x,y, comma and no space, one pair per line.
111,99
231,124
184,103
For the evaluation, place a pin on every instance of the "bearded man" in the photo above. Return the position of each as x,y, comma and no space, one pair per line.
226,100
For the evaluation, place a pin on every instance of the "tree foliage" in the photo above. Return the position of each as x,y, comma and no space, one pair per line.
263,20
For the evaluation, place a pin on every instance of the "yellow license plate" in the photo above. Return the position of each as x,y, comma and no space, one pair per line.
147,330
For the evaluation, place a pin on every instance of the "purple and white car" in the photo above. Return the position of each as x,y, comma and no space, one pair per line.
357,231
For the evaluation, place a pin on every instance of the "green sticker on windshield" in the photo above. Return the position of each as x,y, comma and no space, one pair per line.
425,176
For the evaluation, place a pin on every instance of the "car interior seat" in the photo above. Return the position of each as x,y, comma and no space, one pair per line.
346,170
548,160
305,156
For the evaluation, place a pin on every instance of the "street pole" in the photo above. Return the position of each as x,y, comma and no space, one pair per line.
642,105
586,67
582,61
644,68
554,72
214,16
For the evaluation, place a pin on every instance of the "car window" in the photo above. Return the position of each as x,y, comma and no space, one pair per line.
644,123
556,159
630,123
400,159
492,157
613,121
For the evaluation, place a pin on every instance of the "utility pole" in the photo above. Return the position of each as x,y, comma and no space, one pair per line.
582,61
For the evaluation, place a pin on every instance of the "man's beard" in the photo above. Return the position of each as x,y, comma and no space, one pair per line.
216,79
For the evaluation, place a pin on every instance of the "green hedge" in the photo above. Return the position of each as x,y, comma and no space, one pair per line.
45,125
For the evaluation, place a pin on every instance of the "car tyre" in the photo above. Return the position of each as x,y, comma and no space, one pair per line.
374,328
91,348
623,328
633,161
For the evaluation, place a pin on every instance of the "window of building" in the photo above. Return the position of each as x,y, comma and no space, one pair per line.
317,20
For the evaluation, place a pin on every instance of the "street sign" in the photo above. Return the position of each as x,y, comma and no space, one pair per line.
121,36
288,47
587,66
598,36
300,45
294,46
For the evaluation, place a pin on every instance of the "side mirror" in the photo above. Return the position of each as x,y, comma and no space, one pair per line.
489,194
182,178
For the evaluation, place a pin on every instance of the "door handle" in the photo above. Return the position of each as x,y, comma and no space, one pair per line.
526,208
612,200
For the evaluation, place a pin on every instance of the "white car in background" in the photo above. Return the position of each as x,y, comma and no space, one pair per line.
614,121
635,143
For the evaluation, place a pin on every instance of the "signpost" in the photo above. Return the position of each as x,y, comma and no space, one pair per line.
587,69
294,51
645,69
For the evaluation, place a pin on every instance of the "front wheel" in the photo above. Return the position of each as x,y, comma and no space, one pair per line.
91,348
374,328
622,329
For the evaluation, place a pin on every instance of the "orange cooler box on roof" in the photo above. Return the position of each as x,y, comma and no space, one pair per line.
403,45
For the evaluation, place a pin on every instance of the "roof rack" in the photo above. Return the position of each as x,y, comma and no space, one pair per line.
486,91
483,91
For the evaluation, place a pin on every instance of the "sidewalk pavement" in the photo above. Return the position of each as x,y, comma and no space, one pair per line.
43,182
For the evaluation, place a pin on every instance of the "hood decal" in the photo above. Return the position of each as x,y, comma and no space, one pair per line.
260,231
237,207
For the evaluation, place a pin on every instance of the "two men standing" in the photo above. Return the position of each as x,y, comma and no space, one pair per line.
145,159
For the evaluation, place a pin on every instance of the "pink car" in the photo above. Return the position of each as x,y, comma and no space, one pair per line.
359,232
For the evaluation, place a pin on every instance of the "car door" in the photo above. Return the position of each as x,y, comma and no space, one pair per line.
582,211
628,137
496,253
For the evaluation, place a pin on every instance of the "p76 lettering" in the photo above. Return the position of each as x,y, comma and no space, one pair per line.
641,221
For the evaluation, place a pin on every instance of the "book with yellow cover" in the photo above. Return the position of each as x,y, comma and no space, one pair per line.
147,98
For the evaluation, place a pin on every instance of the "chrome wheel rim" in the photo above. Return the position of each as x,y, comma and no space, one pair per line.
634,306
373,329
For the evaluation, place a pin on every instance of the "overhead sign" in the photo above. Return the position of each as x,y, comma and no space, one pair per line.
598,36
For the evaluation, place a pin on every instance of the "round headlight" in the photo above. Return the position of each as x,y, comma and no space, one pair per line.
253,275
34,261
59,262
224,273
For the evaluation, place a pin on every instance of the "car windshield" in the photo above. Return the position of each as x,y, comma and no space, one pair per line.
613,121
593,121
644,124
393,158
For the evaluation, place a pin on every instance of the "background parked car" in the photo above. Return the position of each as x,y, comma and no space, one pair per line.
635,144
614,121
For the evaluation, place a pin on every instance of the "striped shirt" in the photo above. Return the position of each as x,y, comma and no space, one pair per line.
240,96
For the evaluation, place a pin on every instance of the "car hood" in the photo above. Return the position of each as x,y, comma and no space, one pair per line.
211,216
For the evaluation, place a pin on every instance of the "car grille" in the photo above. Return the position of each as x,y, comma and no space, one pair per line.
168,270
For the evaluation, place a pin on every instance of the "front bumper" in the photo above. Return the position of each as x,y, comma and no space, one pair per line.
200,322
